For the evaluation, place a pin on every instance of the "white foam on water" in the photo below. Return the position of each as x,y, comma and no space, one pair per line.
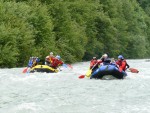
64,92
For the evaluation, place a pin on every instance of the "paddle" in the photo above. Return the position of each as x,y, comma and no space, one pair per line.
67,65
30,63
133,70
25,70
88,73
59,68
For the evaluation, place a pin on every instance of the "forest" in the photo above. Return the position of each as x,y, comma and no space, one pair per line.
76,30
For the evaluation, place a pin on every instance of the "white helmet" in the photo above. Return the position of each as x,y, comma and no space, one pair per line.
105,55
51,53
94,57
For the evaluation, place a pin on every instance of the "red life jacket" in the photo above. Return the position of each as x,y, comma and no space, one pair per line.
95,63
56,62
122,65
92,63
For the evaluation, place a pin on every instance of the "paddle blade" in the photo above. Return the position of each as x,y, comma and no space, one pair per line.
133,70
70,66
25,70
81,76
65,65
88,73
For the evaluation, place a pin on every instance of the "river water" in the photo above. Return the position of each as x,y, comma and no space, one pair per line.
64,92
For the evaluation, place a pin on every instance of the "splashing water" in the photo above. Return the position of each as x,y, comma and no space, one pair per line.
64,92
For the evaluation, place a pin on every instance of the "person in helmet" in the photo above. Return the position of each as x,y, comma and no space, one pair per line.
48,59
30,62
122,64
56,62
33,61
94,64
105,59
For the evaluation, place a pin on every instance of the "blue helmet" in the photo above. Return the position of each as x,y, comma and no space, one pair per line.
120,57
58,57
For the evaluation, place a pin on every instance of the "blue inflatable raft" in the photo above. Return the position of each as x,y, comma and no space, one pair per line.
108,70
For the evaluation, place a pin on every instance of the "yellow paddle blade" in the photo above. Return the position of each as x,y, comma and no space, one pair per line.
88,73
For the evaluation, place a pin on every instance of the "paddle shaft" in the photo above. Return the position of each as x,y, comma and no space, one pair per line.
90,71
83,76
94,66
59,68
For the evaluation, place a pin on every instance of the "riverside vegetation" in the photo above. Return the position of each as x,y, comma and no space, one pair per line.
74,29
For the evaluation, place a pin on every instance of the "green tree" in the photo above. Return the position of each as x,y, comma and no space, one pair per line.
70,36
42,25
16,34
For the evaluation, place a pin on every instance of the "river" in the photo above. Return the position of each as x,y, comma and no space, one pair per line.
64,92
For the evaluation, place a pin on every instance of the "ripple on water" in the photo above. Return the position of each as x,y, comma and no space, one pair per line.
64,92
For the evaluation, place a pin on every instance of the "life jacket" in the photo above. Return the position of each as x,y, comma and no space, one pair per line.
49,59
56,62
122,64
93,62
37,59
34,62
30,63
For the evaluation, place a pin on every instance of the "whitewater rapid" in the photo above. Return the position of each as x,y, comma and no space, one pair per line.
64,92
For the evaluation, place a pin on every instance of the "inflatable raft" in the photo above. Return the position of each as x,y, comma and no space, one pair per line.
108,70
43,68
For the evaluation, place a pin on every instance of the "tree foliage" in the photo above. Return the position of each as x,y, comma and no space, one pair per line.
75,29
